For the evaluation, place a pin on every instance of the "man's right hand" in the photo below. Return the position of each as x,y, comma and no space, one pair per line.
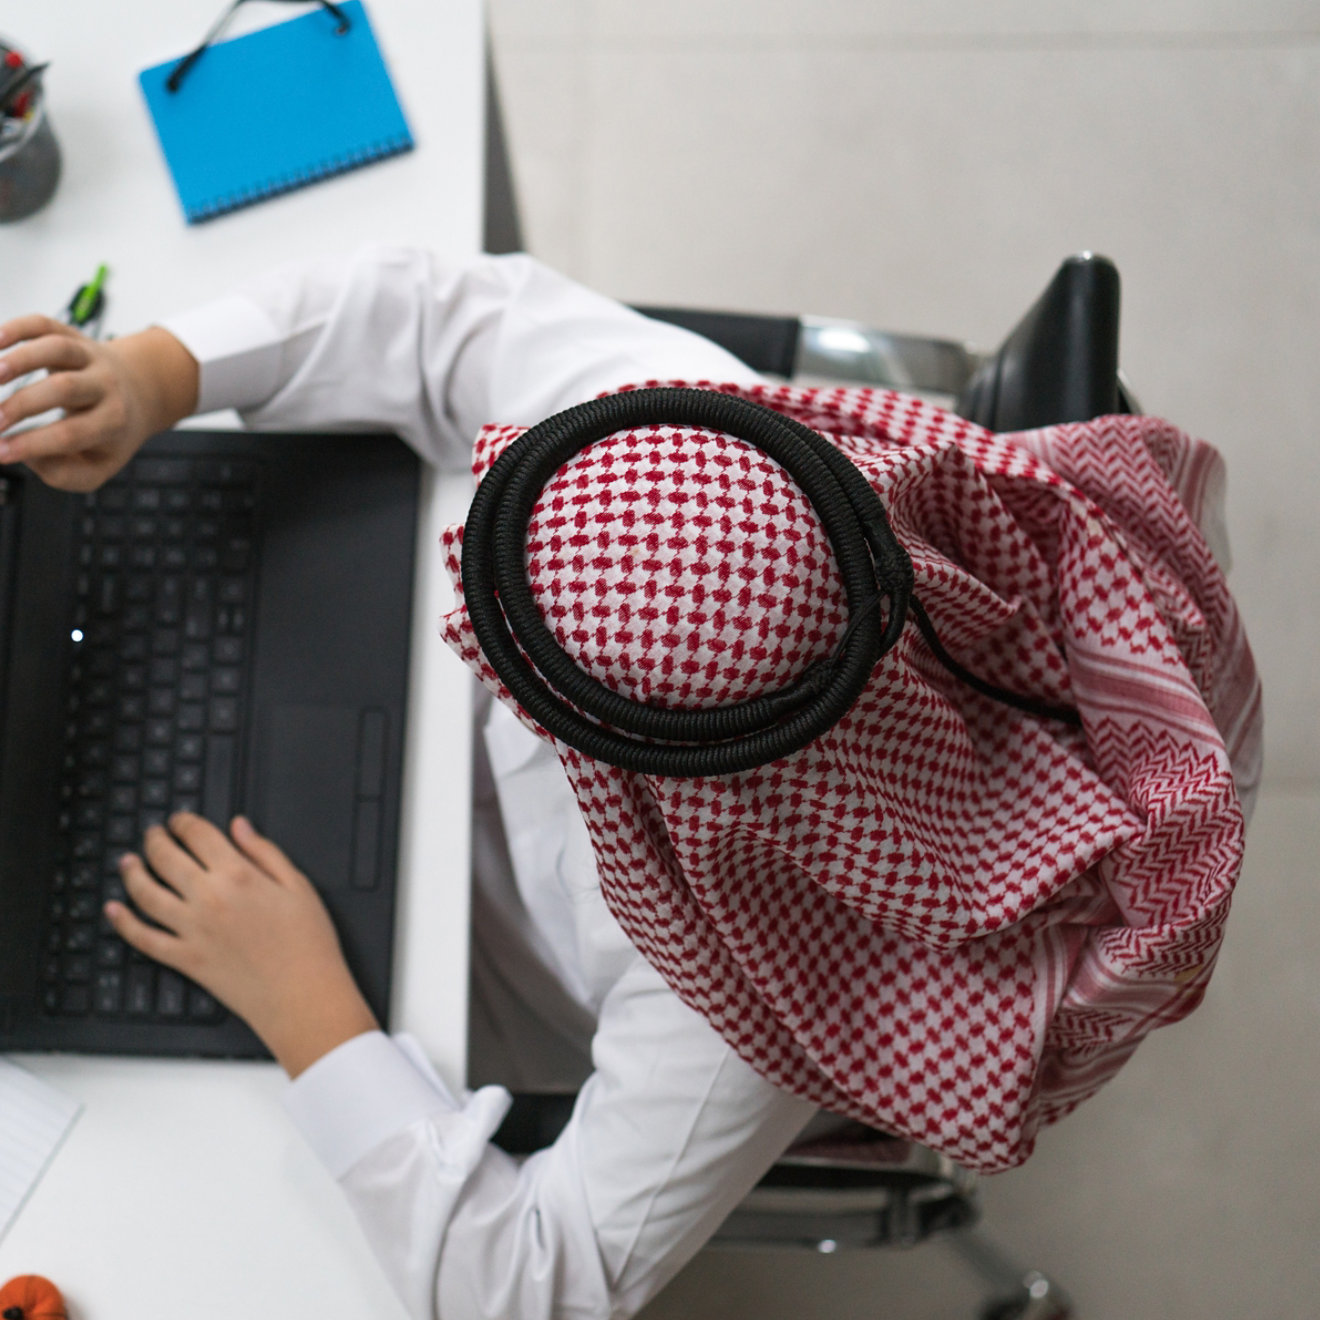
113,394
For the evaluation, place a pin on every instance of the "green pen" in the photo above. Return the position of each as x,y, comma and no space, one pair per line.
84,305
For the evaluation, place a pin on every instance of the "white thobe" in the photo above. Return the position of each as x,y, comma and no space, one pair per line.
671,1127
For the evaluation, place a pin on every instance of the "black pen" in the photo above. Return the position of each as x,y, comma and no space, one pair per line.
19,81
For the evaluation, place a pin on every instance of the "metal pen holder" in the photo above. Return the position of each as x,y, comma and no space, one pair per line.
29,158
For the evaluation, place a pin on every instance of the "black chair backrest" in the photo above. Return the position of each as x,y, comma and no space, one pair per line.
1060,362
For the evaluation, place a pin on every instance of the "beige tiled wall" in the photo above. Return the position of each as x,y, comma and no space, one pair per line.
923,164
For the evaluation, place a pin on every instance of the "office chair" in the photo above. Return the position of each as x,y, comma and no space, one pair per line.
1058,364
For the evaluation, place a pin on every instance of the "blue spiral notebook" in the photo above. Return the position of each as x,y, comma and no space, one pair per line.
275,110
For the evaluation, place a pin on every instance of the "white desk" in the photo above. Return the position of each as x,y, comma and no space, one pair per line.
182,1190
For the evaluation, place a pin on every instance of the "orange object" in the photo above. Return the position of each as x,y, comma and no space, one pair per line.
30,1297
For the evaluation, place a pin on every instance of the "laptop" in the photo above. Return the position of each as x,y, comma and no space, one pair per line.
224,627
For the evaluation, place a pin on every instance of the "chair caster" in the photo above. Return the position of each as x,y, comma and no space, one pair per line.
1037,1299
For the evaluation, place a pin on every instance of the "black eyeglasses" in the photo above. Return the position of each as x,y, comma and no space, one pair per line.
180,70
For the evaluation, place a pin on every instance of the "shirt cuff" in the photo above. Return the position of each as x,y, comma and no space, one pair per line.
362,1093
237,347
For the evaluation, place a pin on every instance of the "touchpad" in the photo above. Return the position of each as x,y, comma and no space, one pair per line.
308,776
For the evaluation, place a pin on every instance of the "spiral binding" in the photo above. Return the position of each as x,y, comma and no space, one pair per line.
342,164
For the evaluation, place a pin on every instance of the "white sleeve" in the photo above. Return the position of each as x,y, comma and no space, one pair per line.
395,338
668,1134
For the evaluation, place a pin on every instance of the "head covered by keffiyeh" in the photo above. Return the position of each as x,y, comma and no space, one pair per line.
945,917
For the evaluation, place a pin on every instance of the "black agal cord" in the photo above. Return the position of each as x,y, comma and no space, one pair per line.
584,713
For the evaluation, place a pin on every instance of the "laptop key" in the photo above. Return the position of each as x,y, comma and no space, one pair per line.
76,1000
155,793
84,906
170,992
132,708
217,795
193,687
196,656
141,989
159,732
203,1007
88,816
224,714
164,471
111,953
235,554
121,829
226,681
77,967
96,754
79,938
197,621
98,723
171,588
108,991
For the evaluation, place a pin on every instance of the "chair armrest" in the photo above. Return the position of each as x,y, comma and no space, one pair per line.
821,347
765,343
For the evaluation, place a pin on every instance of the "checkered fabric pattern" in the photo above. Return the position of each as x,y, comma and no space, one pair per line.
946,918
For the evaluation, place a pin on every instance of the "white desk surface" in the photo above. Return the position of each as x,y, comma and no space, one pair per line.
183,1191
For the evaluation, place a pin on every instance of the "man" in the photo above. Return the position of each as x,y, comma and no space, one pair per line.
936,915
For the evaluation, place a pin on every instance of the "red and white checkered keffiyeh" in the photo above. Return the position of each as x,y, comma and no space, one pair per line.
944,917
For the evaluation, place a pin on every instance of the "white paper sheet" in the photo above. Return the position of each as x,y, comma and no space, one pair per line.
34,1119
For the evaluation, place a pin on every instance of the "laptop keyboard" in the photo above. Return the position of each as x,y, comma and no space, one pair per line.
157,690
